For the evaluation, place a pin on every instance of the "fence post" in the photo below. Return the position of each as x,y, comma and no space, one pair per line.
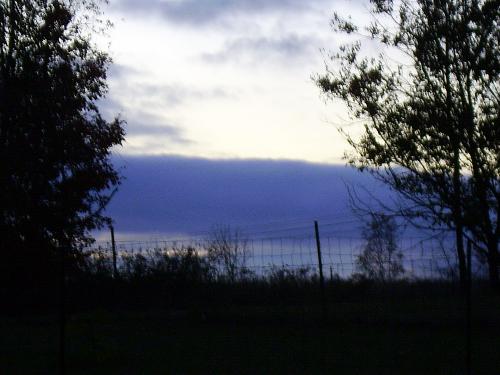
468,311
320,265
113,247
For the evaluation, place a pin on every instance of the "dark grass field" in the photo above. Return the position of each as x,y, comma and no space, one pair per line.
376,334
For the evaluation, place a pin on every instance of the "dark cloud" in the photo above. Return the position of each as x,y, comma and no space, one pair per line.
187,195
199,12
142,123
145,124
260,49
127,79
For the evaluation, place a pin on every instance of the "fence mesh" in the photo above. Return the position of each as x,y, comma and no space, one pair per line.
429,257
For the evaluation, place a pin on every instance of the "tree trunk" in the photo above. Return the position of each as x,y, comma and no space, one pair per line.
493,263
458,216
462,266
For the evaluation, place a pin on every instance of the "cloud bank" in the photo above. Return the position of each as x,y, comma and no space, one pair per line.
172,195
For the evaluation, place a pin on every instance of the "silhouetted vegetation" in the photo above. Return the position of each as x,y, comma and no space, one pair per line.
270,325
185,276
55,169
381,259
177,298
430,107
431,133
228,250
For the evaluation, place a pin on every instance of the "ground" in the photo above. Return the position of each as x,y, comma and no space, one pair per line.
375,336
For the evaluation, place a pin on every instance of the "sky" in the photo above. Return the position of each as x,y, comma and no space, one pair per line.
224,122
225,78
182,196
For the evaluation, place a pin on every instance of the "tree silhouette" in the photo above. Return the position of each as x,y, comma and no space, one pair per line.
430,104
228,252
380,259
56,174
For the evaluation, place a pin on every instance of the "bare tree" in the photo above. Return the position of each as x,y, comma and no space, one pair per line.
380,259
228,252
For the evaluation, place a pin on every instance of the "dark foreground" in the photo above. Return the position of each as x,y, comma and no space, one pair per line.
375,334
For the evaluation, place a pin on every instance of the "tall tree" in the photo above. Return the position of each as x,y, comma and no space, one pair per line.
56,175
430,104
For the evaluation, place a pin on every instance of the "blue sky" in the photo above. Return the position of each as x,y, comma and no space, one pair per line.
225,124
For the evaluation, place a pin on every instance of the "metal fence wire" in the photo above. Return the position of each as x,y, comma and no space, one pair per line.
420,258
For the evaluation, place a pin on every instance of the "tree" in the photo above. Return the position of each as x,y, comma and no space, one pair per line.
430,105
55,169
228,252
380,259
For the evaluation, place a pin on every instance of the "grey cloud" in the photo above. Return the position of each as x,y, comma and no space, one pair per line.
260,49
110,108
127,80
135,128
141,123
198,12
149,125
120,71
177,94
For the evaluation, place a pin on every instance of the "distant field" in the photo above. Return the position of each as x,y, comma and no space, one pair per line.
372,336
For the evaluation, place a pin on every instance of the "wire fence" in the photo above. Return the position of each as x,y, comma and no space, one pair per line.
431,257
280,260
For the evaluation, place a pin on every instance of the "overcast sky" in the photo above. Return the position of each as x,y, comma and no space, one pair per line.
225,78
226,81
178,196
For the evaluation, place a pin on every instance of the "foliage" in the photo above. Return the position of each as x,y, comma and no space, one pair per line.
178,264
228,251
293,276
430,106
96,263
55,169
380,259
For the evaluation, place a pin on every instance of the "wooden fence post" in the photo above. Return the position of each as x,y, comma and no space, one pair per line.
320,265
113,248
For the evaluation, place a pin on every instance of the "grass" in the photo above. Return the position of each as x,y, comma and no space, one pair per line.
371,335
